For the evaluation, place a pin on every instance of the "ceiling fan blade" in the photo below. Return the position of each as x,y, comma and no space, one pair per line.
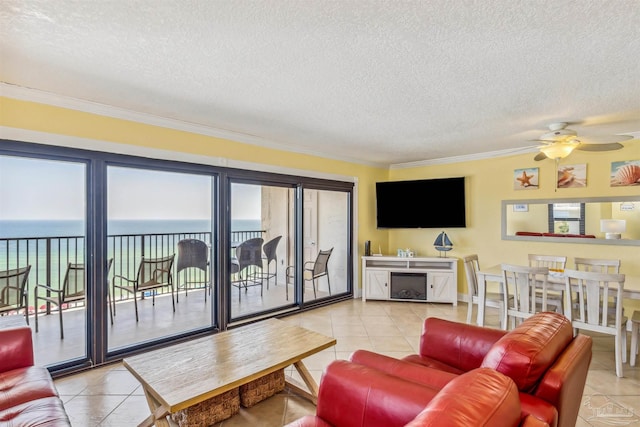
540,156
600,147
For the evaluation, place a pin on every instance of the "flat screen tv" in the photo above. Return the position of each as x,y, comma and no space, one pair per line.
427,203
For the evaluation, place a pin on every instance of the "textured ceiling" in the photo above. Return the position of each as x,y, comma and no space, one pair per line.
380,82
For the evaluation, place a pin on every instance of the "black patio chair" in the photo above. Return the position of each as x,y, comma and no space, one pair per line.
192,253
248,263
313,270
153,273
73,290
13,291
270,250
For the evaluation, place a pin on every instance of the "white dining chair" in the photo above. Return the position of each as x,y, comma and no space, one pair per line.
599,307
598,265
524,291
552,262
492,299
556,265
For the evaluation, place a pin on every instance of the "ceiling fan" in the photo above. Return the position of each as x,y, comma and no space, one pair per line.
560,141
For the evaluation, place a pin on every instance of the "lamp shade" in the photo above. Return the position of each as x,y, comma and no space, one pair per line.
613,227
559,150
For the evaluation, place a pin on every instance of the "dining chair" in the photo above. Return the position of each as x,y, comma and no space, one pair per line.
524,291
556,265
492,299
192,254
153,273
270,250
599,307
13,290
73,289
599,265
312,271
247,265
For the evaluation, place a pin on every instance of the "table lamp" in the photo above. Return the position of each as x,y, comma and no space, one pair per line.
613,227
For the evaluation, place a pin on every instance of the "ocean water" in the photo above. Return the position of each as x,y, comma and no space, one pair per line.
48,246
66,228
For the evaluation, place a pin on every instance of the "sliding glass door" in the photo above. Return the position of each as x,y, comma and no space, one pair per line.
43,229
159,241
125,253
261,240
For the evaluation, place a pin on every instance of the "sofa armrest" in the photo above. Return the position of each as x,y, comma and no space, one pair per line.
16,348
566,379
353,395
459,345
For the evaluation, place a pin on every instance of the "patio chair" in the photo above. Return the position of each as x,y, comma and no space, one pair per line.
313,270
72,290
248,263
153,273
13,291
270,255
192,253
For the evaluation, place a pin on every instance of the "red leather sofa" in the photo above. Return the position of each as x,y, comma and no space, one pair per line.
28,396
353,395
546,362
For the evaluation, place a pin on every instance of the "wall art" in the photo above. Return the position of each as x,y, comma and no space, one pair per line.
572,176
625,173
525,179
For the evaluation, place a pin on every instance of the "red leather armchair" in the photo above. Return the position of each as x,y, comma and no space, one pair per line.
353,395
546,362
28,396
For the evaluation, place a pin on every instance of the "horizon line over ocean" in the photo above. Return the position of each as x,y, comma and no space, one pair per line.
58,228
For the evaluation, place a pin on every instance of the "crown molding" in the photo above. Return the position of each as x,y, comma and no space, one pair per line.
47,98
465,158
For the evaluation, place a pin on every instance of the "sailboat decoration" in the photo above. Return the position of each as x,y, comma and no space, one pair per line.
443,244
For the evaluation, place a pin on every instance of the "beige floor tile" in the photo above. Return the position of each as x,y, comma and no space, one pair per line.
111,397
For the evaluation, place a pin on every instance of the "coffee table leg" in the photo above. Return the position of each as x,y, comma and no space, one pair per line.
158,415
312,392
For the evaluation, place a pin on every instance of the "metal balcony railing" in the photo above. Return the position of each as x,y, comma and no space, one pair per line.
49,256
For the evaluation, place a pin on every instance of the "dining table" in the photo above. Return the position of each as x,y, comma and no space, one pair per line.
555,282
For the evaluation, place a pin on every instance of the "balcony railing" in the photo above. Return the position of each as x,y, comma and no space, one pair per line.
49,256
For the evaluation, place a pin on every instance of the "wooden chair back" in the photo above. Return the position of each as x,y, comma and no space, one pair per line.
599,307
598,265
522,287
552,262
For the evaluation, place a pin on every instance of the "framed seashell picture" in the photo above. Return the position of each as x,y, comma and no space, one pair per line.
625,173
572,176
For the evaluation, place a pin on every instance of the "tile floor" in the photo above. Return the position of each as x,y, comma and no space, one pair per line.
110,396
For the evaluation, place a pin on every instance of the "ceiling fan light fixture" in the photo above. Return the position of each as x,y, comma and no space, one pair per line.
559,150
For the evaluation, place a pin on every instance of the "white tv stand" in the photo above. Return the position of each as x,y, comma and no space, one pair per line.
384,278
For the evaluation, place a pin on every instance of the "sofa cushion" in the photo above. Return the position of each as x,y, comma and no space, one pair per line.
454,347
525,353
428,375
45,412
22,385
481,397
354,395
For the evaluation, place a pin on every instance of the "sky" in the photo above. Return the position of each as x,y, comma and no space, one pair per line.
46,189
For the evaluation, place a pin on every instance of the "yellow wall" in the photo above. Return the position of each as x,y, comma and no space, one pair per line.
488,183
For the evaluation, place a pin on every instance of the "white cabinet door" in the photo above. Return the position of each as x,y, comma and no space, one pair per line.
377,283
439,287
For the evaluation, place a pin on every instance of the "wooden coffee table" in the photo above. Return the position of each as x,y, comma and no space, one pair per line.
183,375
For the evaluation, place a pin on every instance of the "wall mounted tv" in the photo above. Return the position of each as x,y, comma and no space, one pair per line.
427,203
